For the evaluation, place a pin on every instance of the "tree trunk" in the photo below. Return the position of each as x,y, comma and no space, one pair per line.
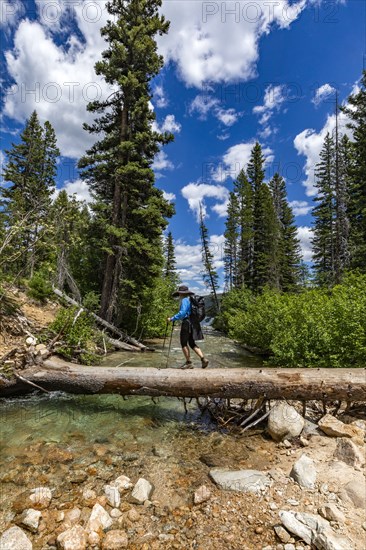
294,384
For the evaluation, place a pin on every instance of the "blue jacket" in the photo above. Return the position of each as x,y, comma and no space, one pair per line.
185,310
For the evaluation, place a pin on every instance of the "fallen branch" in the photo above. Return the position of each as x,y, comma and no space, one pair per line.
30,383
128,339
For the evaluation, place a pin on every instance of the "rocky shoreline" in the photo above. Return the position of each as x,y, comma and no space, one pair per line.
303,486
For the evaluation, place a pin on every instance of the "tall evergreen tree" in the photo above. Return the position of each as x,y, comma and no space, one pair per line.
231,243
210,276
245,256
266,251
324,240
170,268
118,167
30,171
287,268
356,111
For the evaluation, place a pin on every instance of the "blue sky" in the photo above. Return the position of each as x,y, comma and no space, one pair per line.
235,72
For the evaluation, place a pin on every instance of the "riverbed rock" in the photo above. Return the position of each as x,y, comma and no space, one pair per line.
89,496
30,519
93,539
284,422
304,472
282,534
114,540
123,483
113,496
15,539
329,540
354,492
348,452
142,490
73,515
41,497
99,519
74,538
314,530
330,512
202,494
247,481
335,428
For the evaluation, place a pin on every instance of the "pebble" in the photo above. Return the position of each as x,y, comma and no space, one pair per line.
293,502
364,526
273,506
259,530
289,547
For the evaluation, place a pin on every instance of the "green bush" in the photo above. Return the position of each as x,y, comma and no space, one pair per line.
78,335
323,328
39,286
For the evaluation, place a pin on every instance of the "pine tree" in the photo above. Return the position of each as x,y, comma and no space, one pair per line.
210,276
31,171
356,111
231,243
266,251
71,221
245,260
344,187
118,167
287,268
324,240
170,267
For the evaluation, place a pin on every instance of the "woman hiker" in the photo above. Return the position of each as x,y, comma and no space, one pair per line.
190,330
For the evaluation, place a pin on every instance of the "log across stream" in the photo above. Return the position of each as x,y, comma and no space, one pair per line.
245,383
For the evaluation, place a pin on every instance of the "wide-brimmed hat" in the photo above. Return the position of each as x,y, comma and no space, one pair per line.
182,290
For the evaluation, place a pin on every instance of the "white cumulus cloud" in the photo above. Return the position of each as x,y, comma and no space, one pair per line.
236,159
219,41
305,234
300,208
79,188
196,193
322,93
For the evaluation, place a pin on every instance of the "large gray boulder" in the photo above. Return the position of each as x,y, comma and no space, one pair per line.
284,422
246,481
304,472
354,492
314,530
15,539
348,452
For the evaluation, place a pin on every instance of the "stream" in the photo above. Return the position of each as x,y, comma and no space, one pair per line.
73,442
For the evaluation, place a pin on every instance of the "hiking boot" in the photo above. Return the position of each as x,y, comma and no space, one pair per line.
187,365
204,362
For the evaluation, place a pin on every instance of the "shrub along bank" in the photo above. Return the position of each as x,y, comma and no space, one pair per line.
314,328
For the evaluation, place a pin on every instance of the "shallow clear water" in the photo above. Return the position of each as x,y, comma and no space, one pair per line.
51,439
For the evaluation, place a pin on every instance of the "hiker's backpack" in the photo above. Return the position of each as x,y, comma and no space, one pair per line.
198,310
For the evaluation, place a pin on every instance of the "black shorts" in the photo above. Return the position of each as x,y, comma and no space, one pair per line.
186,336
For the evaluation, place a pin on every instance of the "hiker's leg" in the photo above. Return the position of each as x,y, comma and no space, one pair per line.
184,337
198,351
187,353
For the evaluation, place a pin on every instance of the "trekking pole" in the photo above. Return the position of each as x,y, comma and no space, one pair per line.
170,345
166,332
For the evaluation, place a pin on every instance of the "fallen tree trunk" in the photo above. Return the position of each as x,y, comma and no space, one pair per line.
302,384
128,339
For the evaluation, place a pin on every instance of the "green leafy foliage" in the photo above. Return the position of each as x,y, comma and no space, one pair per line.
39,286
78,336
315,328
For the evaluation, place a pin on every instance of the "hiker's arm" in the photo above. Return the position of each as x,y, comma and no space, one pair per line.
184,310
